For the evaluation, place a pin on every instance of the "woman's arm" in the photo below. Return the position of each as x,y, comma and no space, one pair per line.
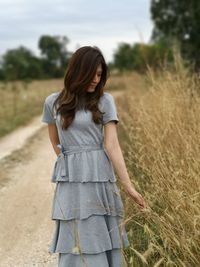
114,151
53,136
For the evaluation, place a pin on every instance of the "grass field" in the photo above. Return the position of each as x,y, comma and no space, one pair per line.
160,131
21,101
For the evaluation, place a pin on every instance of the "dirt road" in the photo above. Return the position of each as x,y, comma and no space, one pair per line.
25,199
25,202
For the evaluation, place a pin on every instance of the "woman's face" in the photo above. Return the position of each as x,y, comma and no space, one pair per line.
96,79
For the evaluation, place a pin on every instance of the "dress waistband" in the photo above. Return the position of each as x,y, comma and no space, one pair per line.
79,148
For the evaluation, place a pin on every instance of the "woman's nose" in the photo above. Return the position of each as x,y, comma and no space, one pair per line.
95,79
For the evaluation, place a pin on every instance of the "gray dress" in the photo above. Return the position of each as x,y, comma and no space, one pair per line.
87,206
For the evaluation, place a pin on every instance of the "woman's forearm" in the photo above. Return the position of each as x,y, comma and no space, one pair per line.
56,148
116,156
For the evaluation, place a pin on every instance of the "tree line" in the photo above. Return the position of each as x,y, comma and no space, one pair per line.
176,29
22,64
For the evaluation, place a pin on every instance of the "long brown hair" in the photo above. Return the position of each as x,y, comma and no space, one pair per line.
79,74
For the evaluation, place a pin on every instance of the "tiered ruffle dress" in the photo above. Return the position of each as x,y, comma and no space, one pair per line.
87,206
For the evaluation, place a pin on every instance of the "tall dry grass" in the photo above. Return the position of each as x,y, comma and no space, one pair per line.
160,128
21,101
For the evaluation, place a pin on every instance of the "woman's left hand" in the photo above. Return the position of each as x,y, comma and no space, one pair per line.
137,197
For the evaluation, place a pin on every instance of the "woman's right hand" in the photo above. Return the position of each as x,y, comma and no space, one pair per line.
136,196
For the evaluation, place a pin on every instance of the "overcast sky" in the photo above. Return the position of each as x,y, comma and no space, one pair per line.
103,23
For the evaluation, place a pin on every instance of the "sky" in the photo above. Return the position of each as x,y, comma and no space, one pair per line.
104,23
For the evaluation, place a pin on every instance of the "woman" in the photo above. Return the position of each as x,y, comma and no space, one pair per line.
87,206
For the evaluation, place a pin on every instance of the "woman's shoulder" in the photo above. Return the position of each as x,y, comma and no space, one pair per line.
107,95
51,98
106,98
107,105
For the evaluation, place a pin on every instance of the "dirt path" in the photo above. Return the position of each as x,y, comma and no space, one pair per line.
17,139
25,199
25,225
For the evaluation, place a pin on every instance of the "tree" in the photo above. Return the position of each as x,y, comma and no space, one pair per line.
123,57
138,56
178,21
20,63
54,54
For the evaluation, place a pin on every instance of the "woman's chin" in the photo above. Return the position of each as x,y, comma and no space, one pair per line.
91,90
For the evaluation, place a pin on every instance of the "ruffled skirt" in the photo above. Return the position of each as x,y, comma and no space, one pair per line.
88,211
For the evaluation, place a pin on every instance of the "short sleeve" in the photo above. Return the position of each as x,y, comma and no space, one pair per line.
47,114
110,109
